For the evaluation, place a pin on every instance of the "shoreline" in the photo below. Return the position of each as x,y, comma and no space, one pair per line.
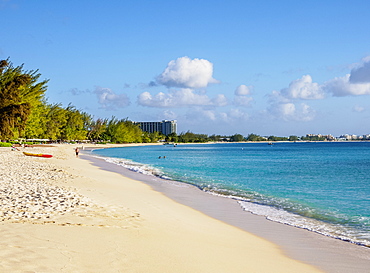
118,223
327,253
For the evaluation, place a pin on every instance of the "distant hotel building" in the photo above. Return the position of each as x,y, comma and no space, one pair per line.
165,127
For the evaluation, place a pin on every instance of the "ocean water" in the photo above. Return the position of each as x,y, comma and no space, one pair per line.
322,187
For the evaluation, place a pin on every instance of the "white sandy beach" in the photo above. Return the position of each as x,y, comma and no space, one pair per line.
65,214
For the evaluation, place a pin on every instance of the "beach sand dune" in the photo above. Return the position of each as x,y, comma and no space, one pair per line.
70,216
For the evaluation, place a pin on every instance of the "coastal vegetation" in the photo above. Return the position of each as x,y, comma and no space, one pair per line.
26,114
20,96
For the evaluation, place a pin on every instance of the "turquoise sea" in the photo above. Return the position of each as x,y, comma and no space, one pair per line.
322,187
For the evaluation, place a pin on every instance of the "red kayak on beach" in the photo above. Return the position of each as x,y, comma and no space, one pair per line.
38,155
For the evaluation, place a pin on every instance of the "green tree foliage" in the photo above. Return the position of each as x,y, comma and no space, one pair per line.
155,137
87,122
237,138
112,133
254,137
36,123
122,131
216,138
191,137
132,132
187,137
20,94
55,120
74,128
173,137
293,138
313,138
145,138
276,138
96,129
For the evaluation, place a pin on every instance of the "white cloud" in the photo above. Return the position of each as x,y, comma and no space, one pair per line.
238,114
209,115
356,83
169,115
342,86
241,95
358,109
361,73
110,100
303,88
222,116
291,112
287,109
242,100
179,98
282,104
243,90
159,100
220,100
77,92
187,73
199,115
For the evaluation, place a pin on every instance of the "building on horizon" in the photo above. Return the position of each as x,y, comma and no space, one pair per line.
164,127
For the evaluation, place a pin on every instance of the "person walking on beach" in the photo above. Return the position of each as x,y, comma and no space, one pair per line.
77,151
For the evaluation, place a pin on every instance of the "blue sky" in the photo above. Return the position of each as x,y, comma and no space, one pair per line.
217,67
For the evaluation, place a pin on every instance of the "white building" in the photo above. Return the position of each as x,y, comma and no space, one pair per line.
165,127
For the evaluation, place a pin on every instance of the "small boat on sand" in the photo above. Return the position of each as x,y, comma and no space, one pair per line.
37,155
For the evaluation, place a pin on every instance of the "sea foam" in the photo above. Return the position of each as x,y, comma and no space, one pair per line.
134,166
284,217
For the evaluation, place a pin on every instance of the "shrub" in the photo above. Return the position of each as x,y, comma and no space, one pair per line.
5,144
